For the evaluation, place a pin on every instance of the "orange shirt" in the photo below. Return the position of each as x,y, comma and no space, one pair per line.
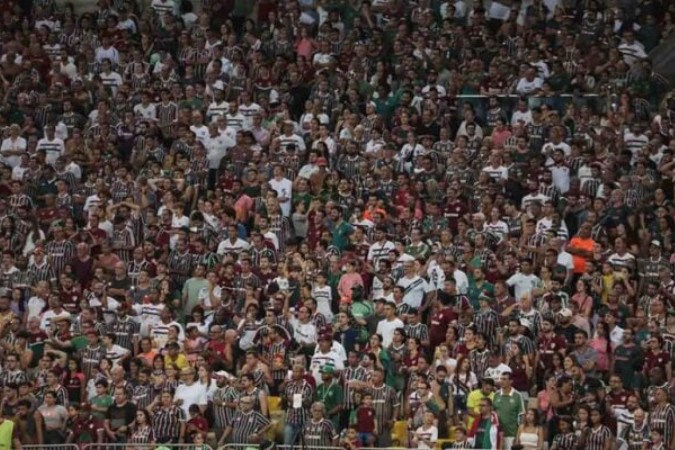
582,244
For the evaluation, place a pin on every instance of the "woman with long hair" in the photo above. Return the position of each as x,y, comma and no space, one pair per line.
50,421
142,432
596,436
562,401
74,381
521,370
463,381
583,299
530,435
603,346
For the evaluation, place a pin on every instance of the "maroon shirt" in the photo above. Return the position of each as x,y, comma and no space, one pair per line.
440,321
365,417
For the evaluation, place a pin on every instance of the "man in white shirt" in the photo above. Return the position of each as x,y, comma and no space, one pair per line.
523,281
530,84
13,147
631,49
52,146
110,78
146,110
218,107
415,288
389,324
233,244
189,392
248,109
107,51
325,356
284,189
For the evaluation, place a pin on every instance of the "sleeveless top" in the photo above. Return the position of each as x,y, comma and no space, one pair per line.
529,440
6,431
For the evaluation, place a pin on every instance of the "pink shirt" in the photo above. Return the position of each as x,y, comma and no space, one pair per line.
347,281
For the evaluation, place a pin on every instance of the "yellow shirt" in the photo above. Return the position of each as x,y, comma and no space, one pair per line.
181,361
472,402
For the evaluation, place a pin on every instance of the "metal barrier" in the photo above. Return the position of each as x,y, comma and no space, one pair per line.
50,447
300,447
130,446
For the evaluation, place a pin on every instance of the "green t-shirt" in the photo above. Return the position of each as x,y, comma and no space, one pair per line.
331,396
341,235
509,408
101,401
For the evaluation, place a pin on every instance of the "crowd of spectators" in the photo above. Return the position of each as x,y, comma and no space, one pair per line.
337,223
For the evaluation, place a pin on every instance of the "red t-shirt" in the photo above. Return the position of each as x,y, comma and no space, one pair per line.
365,417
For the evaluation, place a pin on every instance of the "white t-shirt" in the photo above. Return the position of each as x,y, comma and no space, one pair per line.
116,353
324,297
238,246
284,188
430,434
526,87
48,316
191,395
35,307
522,284
386,328
303,333
414,290
321,359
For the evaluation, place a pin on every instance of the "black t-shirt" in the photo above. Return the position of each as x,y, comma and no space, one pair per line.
124,283
121,415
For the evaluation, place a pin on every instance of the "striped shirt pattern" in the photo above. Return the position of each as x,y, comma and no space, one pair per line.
43,272
223,414
15,377
598,438
662,418
479,361
319,434
567,441
246,424
385,401
62,253
358,373
487,322
166,422
91,357
125,332
298,416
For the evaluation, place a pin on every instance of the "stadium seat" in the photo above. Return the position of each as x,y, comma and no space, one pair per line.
399,434
274,404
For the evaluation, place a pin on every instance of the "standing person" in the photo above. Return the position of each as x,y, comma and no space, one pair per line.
597,436
189,392
168,420
509,405
486,432
329,394
662,417
386,405
319,431
530,434
121,414
298,397
426,435
224,402
50,421
248,425
9,433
